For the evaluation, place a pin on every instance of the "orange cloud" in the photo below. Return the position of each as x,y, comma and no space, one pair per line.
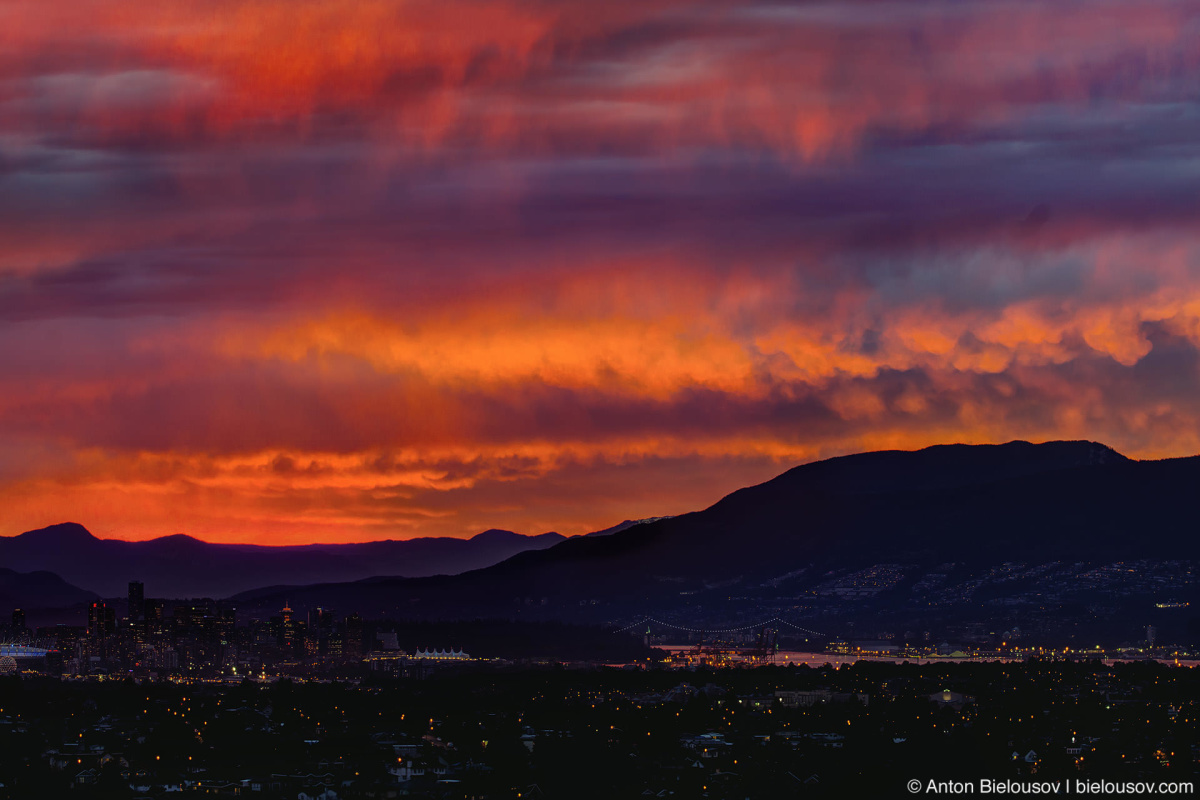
808,82
289,271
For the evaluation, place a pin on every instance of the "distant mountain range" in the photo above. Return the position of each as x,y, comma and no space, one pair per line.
28,590
967,507
1014,535
180,566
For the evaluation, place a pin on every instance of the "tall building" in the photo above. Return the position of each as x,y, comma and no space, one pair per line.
289,638
18,623
137,602
320,620
102,620
225,625
102,623
156,618
194,614
353,643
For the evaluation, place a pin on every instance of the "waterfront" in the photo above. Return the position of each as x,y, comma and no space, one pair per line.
820,659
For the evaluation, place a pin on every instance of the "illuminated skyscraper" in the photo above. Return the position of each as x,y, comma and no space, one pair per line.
102,620
289,639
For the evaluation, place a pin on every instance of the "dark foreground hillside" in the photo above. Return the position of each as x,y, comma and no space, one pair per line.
860,731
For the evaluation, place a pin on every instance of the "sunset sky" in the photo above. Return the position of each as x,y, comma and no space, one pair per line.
282,271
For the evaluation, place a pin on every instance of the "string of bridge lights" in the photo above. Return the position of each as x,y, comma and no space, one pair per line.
718,630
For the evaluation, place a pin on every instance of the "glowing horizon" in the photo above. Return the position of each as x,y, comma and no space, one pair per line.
288,272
